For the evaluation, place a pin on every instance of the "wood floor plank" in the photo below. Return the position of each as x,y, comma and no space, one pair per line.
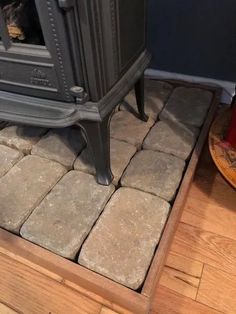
30,292
105,310
211,207
218,290
206,247
182,274
6,310
185,265
170,302
209,217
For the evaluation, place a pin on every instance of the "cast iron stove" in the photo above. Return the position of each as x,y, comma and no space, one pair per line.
65,62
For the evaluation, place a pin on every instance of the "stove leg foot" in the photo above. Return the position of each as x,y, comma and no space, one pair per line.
98,137
139,92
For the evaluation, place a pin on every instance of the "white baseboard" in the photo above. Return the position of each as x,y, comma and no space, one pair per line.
228,87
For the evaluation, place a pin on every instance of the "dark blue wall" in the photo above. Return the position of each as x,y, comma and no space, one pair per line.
195,37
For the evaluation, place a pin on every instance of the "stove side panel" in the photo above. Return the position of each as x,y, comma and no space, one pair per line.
113,36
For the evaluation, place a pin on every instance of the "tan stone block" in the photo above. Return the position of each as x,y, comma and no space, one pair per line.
154,172
24,187
128,128
61,145
21,137
187,105
65,217
122,243
121,153
172,138
8,158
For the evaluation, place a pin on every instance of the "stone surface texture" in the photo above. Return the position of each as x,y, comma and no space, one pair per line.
121,153
187,105
61,145
21,137
112,230
65,217
122,243
128,128
24,187
172,138
8,157
154,172
156,95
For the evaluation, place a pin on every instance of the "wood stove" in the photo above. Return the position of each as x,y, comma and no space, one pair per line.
65,62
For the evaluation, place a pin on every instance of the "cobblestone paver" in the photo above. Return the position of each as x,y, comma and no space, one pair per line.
126,127
123,241
23,187
65,217
154,172
187,105
21,137
121,153
8,157
61,145
172,138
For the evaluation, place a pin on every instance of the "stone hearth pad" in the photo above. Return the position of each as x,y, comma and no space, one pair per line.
126,127
65,217
156,95
154,172
8,158
61,145
123,241
121,153
21,137
24,187
187,105
172,138
58,212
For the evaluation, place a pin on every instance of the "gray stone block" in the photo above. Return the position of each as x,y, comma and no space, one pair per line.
65,217
24,187
156,95
154,172
122,243
171,138
128,128
187,105
21,137
61,145
8,158
121,153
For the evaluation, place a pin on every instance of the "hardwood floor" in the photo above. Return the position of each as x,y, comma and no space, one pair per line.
24,288
182,274
200,272
6,310
218,289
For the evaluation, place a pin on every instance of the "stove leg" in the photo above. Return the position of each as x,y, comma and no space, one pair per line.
139,92
98,137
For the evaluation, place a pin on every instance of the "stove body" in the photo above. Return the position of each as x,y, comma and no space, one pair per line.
90,54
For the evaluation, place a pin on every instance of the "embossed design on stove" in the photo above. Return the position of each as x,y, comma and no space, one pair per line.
38,77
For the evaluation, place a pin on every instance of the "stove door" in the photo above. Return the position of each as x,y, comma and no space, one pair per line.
34,50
